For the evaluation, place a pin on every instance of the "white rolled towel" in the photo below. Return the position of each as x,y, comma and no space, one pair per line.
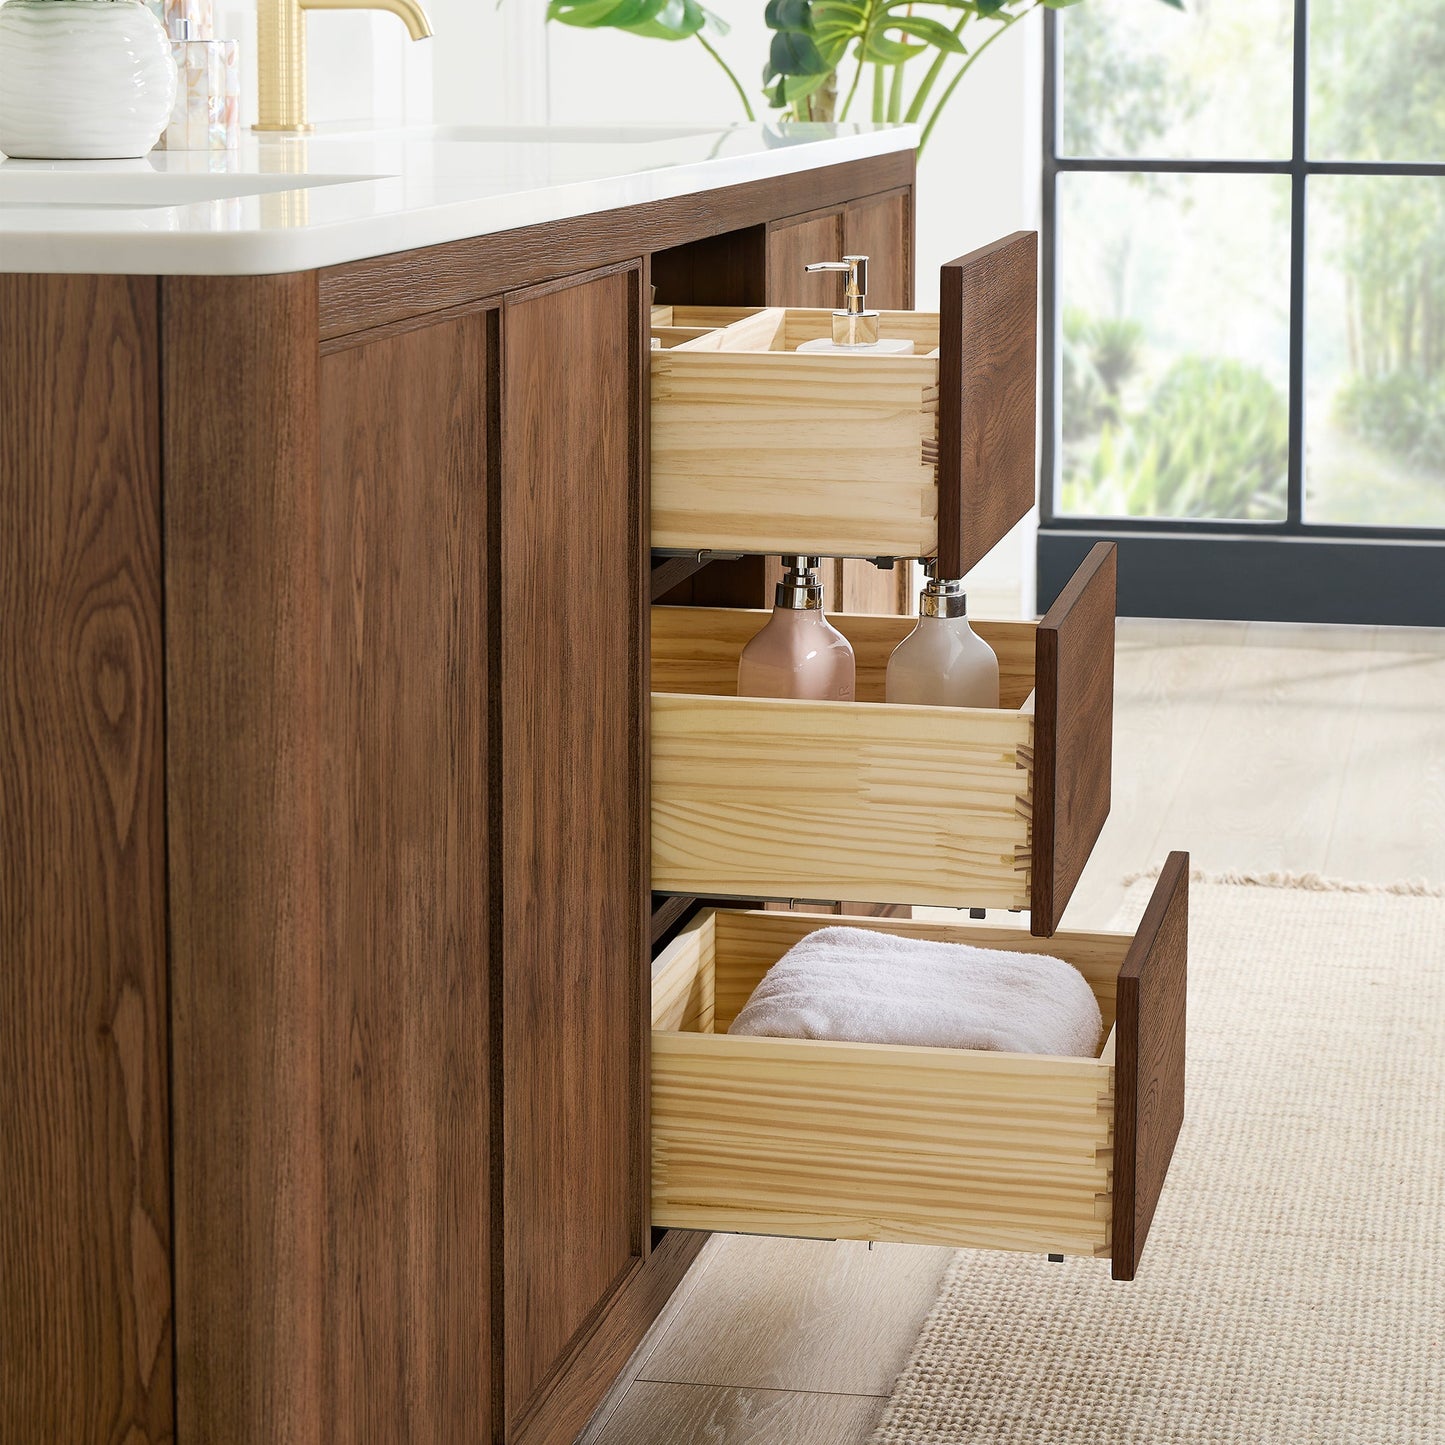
870,987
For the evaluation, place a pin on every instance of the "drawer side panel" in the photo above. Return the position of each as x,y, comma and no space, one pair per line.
856,1141
777,452
759,798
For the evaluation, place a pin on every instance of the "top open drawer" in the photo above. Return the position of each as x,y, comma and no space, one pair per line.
757,448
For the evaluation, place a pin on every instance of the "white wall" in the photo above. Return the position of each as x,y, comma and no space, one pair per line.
363,65
488,64
979,178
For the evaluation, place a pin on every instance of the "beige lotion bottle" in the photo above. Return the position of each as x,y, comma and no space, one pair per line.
855,328
798,652
943,662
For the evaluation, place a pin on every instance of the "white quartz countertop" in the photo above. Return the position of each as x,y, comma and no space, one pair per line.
291,203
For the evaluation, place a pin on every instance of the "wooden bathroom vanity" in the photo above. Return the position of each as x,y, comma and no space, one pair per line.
341,752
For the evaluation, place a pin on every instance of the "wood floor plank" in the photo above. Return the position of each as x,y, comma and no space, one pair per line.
653,1413
1263,784
593,1433
1165,693
1390,819
798,1314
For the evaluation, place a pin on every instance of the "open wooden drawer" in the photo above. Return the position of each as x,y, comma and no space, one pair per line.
871,803
917,1145
756,448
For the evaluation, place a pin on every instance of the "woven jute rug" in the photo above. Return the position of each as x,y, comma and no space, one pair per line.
1293,1286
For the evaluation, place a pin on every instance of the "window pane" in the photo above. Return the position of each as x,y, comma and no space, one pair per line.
1174,352
1139,78
1375,351
1377,80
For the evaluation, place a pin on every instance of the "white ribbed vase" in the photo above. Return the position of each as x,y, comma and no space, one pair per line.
83,79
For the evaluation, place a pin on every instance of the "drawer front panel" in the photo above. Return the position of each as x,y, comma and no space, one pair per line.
934,1146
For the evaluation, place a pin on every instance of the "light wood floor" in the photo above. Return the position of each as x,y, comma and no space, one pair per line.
1252,746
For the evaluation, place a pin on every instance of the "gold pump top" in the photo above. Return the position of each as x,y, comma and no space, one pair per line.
854,325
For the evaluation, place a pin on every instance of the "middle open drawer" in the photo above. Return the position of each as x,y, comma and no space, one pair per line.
871,803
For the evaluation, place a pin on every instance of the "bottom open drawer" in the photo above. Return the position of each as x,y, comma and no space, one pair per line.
916,1145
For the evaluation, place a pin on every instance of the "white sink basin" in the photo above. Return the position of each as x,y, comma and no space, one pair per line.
570,134
22,185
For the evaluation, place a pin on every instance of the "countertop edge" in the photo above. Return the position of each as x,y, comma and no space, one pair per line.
280,252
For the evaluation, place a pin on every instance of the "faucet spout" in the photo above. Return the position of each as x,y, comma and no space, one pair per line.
409,12
281,53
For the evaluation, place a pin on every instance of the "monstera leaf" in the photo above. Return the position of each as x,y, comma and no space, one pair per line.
654,19
811,37
809,41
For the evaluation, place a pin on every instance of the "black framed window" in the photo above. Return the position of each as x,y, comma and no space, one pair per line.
1244,306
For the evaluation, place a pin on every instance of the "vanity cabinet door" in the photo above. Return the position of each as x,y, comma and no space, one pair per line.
794,243
329,763
574,820
881,228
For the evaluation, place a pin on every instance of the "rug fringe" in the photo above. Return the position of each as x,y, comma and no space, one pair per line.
1309,882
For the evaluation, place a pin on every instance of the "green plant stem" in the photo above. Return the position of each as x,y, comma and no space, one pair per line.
877,93
727,70
852,91
925,85
953,84
895,93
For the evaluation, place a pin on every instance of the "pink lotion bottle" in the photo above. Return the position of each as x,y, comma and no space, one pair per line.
798,653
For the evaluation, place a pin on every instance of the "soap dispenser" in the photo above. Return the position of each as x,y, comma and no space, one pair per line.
798,652
855,328
943,661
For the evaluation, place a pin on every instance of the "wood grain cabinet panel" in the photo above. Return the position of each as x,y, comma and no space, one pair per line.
328,659
573,816
85,1226
406,498
243,752
792,245
881,228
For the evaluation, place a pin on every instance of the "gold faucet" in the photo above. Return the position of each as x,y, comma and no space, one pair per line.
281,53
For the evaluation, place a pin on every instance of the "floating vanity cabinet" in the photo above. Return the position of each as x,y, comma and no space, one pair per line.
971,1149
758,448
329,1114
980,807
